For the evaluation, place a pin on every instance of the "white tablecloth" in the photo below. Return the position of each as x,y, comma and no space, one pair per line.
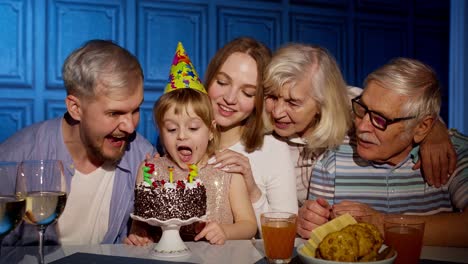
234,251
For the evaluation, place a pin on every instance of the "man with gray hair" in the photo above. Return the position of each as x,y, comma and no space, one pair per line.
97,143
372,171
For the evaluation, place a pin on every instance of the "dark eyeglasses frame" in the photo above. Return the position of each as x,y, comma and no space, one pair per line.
371,113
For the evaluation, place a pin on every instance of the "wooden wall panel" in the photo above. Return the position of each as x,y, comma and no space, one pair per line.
264,25
15,44
14,115
161,26
377,41
37,36
383,6
324,30
71,23
147,125
323,3
55,108
431,37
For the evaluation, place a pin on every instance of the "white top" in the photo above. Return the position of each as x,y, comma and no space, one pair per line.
86,215
273,172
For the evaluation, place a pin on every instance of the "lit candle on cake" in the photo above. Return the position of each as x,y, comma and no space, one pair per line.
148,170
171,174
193,172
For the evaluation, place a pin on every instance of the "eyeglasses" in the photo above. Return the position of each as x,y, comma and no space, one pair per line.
378,120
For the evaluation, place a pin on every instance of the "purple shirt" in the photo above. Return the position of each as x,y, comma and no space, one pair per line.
44,140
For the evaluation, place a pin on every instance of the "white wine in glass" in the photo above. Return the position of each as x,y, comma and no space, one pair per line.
46,195
12,202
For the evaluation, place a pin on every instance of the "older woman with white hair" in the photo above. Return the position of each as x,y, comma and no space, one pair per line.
308,103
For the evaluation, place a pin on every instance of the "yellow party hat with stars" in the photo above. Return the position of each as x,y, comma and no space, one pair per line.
183,74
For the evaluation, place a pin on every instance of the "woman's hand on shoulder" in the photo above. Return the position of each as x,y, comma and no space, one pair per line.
438,157
213,232
234,162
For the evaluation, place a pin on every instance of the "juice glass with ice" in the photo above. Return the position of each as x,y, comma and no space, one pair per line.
405,235
279,232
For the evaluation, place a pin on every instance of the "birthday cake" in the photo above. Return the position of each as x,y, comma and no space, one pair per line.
167,199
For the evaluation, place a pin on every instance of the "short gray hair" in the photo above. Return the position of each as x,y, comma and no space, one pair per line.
99,61
412,78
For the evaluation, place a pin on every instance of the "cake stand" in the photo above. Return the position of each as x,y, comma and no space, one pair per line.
170,244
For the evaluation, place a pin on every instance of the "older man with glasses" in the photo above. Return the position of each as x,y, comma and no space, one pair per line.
372,171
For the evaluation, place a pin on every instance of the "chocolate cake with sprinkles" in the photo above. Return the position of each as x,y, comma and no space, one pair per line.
164,200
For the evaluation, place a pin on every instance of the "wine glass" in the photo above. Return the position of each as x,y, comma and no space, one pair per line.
12,200
46,194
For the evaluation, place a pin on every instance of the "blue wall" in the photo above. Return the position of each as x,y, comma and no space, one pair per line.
464,85
458,69
36,37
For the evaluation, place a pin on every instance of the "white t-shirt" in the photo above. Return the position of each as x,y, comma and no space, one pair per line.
86,216
274,175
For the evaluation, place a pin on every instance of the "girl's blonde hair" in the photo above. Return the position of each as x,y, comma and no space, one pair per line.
180,100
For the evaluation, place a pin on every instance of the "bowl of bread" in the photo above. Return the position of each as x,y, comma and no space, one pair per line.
344,240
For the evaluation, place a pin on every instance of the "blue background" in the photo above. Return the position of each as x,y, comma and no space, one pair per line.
37,36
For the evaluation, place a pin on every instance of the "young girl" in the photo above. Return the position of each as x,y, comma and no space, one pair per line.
189,136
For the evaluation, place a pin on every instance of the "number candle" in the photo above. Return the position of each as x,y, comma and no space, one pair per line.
148,169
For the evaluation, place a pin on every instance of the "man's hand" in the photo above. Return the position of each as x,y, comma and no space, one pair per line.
361,212
234,162
311,215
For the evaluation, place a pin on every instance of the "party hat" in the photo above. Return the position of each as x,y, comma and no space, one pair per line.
183,74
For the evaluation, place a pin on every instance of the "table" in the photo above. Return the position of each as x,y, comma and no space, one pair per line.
234,251
445,254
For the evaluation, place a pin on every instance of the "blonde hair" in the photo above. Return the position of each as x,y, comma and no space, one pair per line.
291,64
252,135
100,61
414,79
180,100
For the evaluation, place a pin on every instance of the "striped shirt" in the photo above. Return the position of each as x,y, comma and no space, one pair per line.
341,174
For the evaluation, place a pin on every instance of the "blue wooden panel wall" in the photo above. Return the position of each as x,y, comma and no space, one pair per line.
37,36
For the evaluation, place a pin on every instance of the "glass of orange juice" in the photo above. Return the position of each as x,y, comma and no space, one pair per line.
279,232
405,235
